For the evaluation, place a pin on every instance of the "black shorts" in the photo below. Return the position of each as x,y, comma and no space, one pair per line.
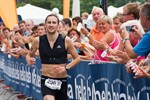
58,94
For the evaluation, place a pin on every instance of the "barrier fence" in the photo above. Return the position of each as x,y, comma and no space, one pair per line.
104,81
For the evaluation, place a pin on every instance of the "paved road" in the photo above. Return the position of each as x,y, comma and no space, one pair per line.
7,93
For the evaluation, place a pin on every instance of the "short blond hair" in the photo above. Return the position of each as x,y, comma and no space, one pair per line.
106,18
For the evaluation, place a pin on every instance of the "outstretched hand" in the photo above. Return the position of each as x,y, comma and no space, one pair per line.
30,60
144,73
116,59
119,57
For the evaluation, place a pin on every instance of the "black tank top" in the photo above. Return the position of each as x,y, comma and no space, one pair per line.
55,55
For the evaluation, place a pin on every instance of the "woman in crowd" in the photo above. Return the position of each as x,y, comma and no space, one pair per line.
61,28
84,51
130,24
6,41
14,47
117,22
110,37
21,40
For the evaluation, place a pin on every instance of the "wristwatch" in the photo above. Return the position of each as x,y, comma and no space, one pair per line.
88,35
124,40
107,49
67,68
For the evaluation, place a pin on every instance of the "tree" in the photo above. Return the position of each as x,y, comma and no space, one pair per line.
85,5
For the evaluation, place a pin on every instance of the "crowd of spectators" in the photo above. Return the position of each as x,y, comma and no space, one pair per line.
123,39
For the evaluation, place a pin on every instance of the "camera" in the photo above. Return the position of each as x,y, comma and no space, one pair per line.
129,28
79,26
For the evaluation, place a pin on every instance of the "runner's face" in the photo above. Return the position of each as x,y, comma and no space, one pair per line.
51,24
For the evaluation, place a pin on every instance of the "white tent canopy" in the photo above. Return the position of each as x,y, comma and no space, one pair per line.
37,14
76,8
112,11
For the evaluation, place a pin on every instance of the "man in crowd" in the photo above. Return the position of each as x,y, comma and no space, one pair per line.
95,32
29,24
143,47
23,28
41,29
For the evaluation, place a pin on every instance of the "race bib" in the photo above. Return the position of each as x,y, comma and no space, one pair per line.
104,53
53,84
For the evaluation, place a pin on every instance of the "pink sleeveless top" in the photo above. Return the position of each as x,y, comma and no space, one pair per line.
113,45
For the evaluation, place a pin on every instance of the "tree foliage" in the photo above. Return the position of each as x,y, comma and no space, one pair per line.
118,3
85,5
